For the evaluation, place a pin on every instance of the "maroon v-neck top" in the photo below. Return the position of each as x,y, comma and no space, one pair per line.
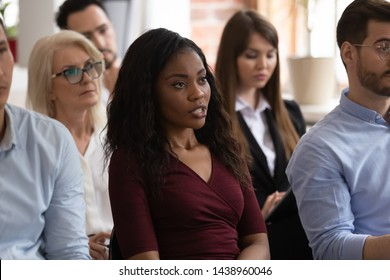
192,219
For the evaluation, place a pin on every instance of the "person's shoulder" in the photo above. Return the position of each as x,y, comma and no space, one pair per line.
293,109
27,121
33,117
123,160
296,116
323,131
291,104
122,154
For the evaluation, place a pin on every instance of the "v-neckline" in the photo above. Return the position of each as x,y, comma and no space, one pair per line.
193,172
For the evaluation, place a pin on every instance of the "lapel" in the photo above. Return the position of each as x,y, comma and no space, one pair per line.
257,152
281,160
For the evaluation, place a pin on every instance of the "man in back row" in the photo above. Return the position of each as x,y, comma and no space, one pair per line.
89,18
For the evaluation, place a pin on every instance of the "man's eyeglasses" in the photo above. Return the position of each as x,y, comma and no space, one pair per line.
383,49
74,75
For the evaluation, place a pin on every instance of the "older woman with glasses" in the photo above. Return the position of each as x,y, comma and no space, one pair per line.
64,83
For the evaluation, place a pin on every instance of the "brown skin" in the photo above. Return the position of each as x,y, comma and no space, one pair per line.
183,94
97,248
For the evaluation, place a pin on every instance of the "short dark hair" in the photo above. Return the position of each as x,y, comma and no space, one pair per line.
353,23
72,6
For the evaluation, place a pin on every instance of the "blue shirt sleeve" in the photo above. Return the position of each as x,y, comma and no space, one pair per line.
324,201
42,213
65,218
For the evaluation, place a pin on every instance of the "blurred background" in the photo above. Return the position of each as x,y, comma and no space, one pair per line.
306,29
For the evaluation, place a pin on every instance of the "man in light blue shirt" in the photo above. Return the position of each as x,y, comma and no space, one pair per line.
339,171
42,214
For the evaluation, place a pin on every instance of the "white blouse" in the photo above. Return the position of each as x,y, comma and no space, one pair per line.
97,201
257,123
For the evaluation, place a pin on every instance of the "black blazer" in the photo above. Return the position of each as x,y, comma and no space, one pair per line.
263,182
286,237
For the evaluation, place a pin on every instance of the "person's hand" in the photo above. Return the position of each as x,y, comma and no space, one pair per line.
271,201
97,247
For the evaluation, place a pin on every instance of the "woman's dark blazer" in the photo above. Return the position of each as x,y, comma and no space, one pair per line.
286,236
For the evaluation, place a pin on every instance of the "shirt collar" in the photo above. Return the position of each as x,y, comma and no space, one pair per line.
359,111
9,138
241,104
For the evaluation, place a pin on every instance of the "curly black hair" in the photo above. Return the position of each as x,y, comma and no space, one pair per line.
134,118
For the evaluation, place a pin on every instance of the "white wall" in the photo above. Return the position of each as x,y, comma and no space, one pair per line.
133,17
118,12
36,19
130,19
171,14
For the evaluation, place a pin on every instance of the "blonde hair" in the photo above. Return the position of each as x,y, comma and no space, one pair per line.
40,72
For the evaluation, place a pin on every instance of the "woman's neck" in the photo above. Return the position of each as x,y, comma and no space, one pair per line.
250,96
185,140
80,127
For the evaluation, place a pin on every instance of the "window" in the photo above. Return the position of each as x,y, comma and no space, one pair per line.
290,20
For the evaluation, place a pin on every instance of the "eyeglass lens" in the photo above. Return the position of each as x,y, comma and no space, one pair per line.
384,50
75,75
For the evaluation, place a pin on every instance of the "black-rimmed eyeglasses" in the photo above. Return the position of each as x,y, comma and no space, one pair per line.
74,75
383,49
